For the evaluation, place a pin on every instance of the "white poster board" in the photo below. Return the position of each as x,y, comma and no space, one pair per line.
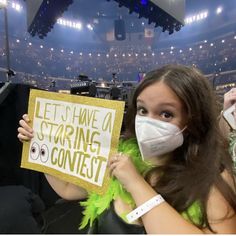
74,136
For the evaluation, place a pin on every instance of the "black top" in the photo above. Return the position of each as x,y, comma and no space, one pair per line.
110,223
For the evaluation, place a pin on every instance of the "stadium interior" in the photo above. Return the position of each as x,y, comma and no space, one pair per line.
100,48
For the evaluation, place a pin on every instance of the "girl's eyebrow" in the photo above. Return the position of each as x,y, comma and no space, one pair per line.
172,104
139,100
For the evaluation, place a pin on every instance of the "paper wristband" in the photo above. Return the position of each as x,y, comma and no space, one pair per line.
144,208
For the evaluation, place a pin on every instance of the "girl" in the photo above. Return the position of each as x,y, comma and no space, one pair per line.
173,173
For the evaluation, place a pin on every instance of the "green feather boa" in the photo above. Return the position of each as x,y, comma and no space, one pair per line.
96,204
232,143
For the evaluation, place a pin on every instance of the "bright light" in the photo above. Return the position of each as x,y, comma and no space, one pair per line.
219,10
212,44
200,46
162,53
222,41
235,37
17,40
30,44
190,49
180,51
107,55
90,27
123,55
171,47
70,24
62,50
52,49
71,52
3,3
197,17
78,26
171,52
144,2
153,54
81,54
41,46
59,21
16,6
205,41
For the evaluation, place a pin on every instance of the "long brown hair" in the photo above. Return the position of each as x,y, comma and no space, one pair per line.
197,165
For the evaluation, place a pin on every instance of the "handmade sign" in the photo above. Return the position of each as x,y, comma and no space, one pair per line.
74,136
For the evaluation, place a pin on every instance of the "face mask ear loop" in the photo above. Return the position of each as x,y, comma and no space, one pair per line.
182,130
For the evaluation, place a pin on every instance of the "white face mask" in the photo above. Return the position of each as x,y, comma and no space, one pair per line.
156,137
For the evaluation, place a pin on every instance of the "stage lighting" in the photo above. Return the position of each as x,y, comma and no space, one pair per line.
43,14
131,11
140,15
168,14
164,28
177,28
149,21
171,31
120,4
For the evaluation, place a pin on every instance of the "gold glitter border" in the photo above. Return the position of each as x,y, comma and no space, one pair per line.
118,106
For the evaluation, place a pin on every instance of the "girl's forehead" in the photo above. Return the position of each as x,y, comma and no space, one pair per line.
158,92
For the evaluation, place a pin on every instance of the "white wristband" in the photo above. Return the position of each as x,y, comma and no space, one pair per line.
144,208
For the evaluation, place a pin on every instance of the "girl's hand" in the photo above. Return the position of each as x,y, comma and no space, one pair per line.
229,98
122,167
25,132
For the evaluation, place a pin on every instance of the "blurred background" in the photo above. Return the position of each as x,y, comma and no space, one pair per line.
84,43
100,48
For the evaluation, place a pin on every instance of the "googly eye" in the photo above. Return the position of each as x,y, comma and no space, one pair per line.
34,151
44,153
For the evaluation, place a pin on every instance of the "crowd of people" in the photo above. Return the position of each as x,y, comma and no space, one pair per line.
213,56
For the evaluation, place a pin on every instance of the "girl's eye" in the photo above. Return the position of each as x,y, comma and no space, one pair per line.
141,111
167,115
34,151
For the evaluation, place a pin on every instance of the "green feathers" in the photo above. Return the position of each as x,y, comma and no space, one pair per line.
96,204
